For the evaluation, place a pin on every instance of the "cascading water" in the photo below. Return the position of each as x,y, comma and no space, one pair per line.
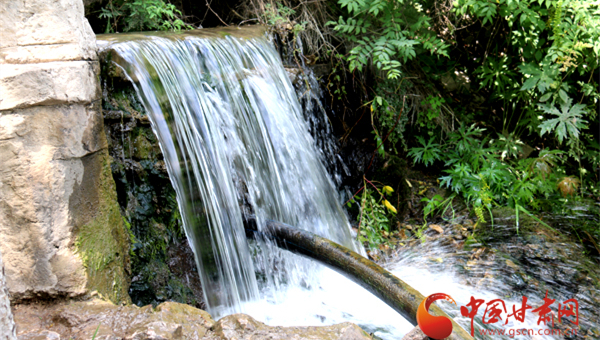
235,137
233,133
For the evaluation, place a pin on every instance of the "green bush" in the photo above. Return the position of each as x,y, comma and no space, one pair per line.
385,34
141,15
374,214
531,61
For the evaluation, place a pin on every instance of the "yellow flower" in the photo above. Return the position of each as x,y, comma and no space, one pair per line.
387,189
389,206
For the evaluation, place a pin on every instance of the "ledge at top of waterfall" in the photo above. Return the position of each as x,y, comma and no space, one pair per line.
244,32
233,134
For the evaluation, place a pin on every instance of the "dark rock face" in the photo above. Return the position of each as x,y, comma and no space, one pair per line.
163,266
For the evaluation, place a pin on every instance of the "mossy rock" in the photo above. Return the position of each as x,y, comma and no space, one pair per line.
104,242
162,265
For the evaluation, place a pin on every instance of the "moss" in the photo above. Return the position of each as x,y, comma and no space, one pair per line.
143,149
103,242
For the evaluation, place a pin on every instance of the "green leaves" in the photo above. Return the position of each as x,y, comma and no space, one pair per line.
353,6
139,15
496,73
429,153
373,223
568,120
543,79
385,34
483,9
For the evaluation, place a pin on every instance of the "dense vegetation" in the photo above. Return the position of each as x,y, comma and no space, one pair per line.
498,99
515,120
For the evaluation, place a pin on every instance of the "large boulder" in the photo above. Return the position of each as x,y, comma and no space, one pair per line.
25,85
61,232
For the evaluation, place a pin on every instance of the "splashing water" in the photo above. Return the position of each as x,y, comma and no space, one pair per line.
415,267
233,133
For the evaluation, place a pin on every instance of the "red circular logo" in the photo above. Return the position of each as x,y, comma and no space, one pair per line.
436,327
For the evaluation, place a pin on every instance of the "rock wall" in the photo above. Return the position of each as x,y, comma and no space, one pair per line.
163,267
61,232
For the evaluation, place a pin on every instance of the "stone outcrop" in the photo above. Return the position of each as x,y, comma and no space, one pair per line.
168,321
25,85
61,232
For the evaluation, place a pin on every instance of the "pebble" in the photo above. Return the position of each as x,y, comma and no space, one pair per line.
436,228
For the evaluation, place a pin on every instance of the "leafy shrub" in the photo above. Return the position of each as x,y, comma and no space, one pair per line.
373,219
549,60
385,34
480,171
140,15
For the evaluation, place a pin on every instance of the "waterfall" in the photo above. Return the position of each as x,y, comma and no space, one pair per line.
234,137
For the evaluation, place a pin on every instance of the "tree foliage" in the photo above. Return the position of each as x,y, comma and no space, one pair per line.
140,15
386,34
534,63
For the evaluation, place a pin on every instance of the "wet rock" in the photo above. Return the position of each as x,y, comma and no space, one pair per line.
293,73
142,148
457,236
240,326
164,266
512,265
374,254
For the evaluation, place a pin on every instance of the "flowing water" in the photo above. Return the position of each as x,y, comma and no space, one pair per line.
233,134
237,135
